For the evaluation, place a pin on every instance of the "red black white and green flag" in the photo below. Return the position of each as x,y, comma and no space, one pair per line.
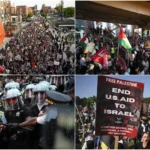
122,39
84,41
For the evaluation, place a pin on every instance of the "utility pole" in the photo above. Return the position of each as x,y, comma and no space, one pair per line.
62,3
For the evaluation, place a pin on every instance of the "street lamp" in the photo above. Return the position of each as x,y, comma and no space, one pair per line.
62,9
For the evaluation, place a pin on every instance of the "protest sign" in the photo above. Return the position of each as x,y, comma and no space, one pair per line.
89,48
56,63
118,107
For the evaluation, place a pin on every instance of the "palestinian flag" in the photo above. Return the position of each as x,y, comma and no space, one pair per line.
84,41
122,39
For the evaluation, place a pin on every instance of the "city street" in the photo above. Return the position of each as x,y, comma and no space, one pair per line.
38,48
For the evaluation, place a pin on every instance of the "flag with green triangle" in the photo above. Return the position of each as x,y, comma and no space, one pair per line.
84,41
122,39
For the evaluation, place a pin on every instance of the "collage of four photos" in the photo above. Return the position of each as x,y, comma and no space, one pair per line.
74,74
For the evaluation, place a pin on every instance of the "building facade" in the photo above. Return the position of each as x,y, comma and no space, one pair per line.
46,9
30,10
24,10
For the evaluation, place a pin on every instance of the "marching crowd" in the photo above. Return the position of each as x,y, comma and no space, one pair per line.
33,115
135,62
38,49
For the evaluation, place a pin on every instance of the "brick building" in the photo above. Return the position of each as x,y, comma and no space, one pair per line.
46,9
24,10
30,10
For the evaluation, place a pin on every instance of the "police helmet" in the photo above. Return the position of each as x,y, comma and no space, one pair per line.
12,100
30,86
13,93
45,82
40,88
53,87
12,85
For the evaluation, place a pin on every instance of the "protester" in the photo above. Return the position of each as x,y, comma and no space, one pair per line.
110,56
38,49
144,144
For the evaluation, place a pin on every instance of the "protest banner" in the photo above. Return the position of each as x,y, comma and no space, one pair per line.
118,107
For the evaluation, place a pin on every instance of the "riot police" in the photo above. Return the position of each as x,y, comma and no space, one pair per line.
11,85
40,106
29,96
15,113
57,122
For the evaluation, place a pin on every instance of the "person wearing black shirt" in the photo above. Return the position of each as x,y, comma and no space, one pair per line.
144,144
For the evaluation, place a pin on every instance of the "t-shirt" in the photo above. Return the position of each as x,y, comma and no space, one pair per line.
140,146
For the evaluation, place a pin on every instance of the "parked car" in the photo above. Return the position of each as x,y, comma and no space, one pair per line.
8,34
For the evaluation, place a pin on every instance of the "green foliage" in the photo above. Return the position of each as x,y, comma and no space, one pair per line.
85,101
43,14
58,8
146,99
69,12
30,15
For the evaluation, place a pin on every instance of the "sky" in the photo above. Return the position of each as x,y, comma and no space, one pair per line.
86,86
51,3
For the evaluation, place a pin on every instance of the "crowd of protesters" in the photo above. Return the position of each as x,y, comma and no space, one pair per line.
87,139
38,49
135,62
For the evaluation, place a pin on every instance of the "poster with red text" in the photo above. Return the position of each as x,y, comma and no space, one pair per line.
118,107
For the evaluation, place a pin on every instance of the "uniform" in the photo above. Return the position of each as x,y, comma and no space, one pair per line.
58,121
17,138
36,108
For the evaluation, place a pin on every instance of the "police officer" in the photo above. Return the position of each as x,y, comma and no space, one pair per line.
12,85
69,90
58,120
38,108
15,113
28,97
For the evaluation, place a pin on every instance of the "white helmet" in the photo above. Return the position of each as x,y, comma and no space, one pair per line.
12,85
53,87
29,91
12,100
30,86
40,88
13,93
45,82
39,92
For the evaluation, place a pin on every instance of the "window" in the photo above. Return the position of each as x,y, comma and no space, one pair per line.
13,19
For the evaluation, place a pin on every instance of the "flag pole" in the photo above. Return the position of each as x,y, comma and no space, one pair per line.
116,142
117,54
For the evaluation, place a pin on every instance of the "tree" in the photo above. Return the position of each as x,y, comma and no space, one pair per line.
146,99
69,12
58,8
43,14
30,15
